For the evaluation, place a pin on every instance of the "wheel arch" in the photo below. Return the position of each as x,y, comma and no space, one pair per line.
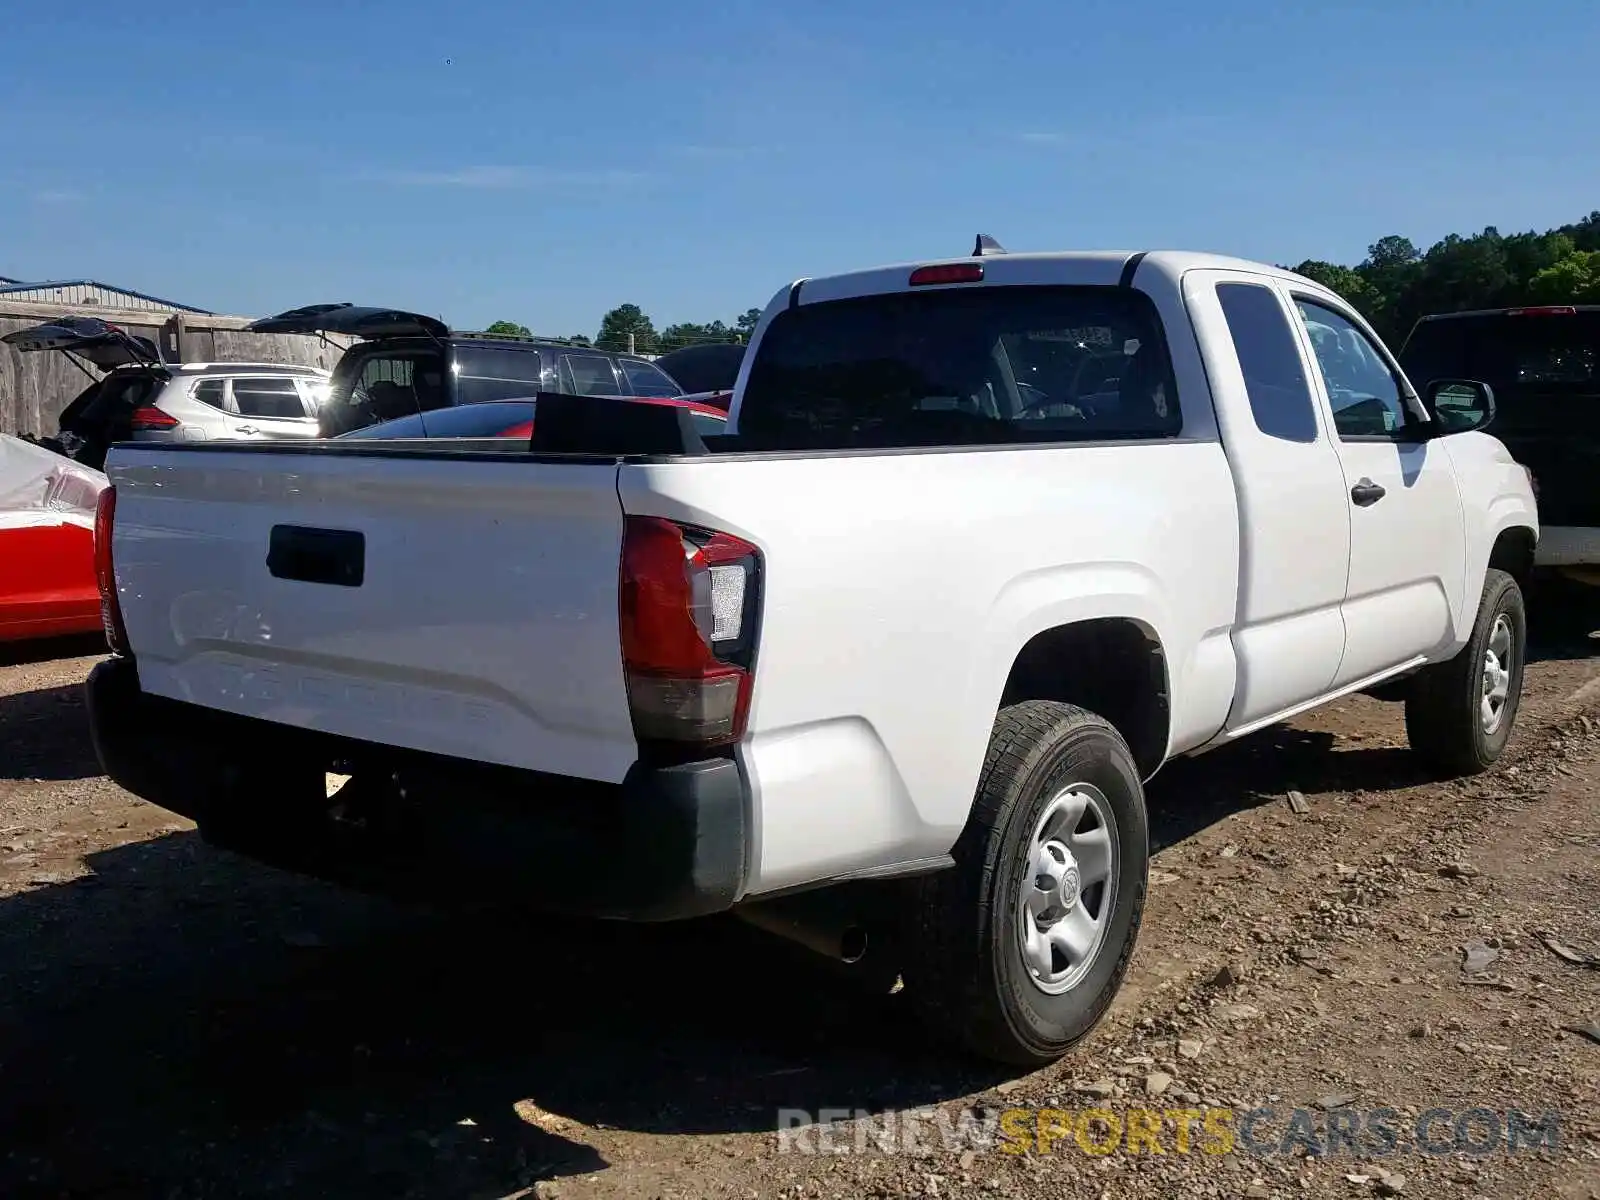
1114,666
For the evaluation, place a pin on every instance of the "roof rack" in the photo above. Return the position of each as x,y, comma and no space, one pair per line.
485,335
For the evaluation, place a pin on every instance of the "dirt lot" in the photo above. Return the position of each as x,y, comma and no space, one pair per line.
176,1022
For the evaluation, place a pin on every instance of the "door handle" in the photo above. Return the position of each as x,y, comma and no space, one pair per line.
1366,492
252,429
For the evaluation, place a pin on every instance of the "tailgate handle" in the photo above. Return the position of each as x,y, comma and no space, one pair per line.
332,556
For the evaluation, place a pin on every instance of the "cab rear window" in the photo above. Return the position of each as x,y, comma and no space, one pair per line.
964,366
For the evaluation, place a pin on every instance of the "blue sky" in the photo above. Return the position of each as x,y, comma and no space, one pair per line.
492,160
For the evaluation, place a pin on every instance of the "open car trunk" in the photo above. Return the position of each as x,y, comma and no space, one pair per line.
89,338
102,413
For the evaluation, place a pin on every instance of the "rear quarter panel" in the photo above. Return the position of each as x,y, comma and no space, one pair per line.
899,589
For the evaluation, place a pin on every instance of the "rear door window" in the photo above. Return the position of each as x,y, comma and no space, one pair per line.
271,398
484,375
1269,357
962,366
589,375
212,393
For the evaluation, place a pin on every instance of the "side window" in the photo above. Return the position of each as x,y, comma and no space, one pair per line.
1362,391
646,380
209,392
1274,380
315,393
588,375
273,398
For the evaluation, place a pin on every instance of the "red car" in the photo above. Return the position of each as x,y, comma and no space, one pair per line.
514,419
47,574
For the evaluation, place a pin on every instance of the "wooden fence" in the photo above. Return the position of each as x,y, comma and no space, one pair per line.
35,387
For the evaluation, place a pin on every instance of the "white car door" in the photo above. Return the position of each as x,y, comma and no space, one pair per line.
267,407
1408,553
1295,530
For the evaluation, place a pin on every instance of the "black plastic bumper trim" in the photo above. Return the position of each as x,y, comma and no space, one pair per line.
665,844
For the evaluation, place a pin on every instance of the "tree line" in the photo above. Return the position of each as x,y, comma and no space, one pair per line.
1397,283
1393,286
627,328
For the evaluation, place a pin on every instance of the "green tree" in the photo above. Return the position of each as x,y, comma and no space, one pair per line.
625,322
1346,281
510,328
688,333
1573,280
749,319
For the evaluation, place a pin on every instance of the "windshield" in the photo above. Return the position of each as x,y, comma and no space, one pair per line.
962,366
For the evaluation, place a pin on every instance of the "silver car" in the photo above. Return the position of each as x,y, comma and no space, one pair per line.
232,402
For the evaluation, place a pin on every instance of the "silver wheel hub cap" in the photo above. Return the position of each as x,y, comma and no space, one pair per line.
1497,667
1069,888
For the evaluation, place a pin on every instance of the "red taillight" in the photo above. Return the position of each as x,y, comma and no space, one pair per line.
1547,310
105,511
148,417
948,273
686,606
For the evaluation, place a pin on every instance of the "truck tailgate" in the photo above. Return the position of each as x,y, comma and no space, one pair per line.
456,605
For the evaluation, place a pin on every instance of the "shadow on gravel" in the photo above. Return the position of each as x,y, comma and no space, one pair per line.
1190,795
44,734
185,1023
167,1030
37,650
1563,621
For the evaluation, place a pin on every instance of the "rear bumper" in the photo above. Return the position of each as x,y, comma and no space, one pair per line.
1572,551
665,844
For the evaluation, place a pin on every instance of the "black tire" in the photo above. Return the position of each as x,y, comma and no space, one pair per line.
1442,711
964,967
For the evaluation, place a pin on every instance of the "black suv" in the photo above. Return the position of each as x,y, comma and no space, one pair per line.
408,363
1543,364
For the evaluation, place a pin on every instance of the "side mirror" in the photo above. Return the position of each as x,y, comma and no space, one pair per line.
1459,405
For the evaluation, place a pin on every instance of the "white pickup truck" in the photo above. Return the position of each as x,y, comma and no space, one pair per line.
990,540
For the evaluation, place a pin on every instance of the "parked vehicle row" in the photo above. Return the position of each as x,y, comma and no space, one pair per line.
404,365
142,398
885,664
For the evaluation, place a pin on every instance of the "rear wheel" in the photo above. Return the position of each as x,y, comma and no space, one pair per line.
1018,950
1460,712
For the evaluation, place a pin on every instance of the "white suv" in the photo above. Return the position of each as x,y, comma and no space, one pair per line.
232,401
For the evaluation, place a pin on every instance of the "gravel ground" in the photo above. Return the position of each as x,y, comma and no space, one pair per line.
178,1022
